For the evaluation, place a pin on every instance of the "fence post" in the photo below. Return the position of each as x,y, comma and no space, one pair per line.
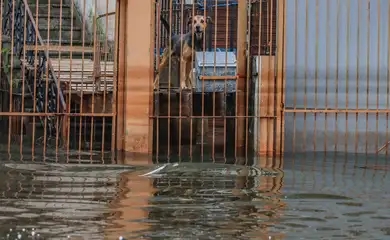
120,117
138,90
242,28
280,75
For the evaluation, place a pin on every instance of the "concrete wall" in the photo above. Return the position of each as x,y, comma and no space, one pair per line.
102,7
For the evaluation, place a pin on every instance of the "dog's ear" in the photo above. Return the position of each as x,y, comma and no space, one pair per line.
209,20
189,20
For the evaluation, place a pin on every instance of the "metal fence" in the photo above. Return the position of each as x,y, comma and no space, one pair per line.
337,76
264,77
58,79
215,116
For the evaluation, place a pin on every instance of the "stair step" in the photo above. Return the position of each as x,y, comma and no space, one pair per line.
47,1
56,21
66,33
75,42
55,9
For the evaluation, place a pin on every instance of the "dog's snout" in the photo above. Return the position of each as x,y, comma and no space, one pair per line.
197,28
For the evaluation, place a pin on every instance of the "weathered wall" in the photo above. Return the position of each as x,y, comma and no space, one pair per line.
102,7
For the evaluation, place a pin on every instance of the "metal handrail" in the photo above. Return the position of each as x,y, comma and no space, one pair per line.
28,10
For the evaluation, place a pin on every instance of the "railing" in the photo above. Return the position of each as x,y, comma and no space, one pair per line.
38,74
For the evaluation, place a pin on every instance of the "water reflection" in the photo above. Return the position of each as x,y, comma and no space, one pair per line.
310,196
209,201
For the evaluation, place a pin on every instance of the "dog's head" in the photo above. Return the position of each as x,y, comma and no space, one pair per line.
199,24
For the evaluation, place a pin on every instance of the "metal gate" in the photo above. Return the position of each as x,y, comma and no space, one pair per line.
217,114
337,76
65,86
58,77
263,79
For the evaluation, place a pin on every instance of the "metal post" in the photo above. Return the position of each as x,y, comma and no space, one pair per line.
121,75
280,76
242,28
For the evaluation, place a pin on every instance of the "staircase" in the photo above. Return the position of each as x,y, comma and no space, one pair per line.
61,19
64,31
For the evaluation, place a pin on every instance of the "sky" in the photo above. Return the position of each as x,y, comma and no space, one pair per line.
352,44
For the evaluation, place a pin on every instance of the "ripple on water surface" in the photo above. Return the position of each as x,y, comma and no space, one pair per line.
192,200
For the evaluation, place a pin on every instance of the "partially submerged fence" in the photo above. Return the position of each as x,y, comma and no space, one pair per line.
58,73
263,79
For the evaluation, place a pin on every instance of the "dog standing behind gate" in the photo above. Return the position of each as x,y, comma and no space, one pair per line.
183,47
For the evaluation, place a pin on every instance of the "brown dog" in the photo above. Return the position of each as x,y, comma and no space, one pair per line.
183,47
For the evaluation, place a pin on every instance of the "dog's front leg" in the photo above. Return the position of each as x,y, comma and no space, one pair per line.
163,63
189,75
183,82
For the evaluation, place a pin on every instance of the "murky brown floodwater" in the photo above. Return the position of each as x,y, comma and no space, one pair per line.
312,197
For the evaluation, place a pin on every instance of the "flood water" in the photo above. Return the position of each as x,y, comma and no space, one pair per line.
300,197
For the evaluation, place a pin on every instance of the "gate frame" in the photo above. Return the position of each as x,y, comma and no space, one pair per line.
280,76
136,72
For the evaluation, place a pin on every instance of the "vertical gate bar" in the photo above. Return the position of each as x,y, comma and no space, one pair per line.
327,76
347,76
225,81
121,131
157,92
242,27
368,70
69,86
95,56
316,83
139,84
271,78
114,132
280,78
215,71
11,75
180,90
283,94
388,80
248,77
169,78
295,74
35,77
306,70
82,78
192,92
104,80
378,77
203,93
337,74
47,79
23,69
259,79
357,77
59,78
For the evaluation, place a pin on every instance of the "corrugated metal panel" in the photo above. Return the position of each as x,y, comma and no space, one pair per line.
219,60
205,63
339,73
